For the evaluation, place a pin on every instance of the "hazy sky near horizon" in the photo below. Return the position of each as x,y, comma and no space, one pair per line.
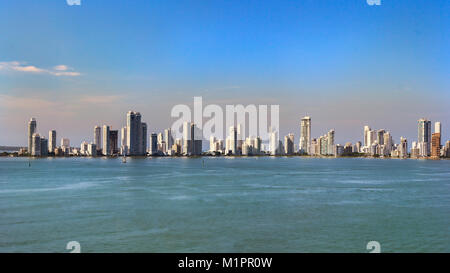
344,63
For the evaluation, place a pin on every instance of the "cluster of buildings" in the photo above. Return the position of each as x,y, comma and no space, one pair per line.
133,142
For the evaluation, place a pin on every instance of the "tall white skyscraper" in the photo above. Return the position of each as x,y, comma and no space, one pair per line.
233,140
36,145
274,143
387,140
187,138
31,130
98,137
437,127
367,136
51,141
305,135
330,142
106,149
123,141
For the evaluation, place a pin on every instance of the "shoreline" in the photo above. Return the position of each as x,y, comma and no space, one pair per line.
14,155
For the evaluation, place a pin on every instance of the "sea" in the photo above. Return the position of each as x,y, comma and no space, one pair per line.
224,204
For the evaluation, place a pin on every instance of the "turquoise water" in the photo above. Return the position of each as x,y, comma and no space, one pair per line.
228,205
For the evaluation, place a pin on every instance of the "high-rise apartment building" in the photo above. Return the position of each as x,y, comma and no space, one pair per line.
212,144
289,144
403,148
233,140
274,143
51,141
106,149
187,138
436,145
437,127
123,141
98,137
113,141
65,143
168,139
424,136
31,130
197,136
143,146
330,142
136,134
380,136
257,145
305,135
153,144
44,146
36,145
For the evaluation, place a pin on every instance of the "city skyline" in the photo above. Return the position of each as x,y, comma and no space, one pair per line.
135,140
345,63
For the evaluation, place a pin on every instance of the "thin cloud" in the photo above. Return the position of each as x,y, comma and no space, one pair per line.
59,70
61,67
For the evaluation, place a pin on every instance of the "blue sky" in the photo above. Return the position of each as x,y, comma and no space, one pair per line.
343,62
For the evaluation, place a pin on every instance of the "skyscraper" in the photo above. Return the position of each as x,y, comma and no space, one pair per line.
153,144
424,136
233,140
289,144
65,143
367,136
274,143
437,127
257,146
436,145
106,149
31,130
403,148
98,137
212,143
92,149
380,136
387,140
123,141
143,147
187,138
323,145
36,145
51,141
239,138
168,139
330,142
305,135
136,132
197,139
113,141
44,146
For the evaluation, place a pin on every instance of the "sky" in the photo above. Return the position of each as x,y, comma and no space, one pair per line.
343,62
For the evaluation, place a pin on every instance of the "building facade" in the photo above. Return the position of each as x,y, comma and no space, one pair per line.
305,135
